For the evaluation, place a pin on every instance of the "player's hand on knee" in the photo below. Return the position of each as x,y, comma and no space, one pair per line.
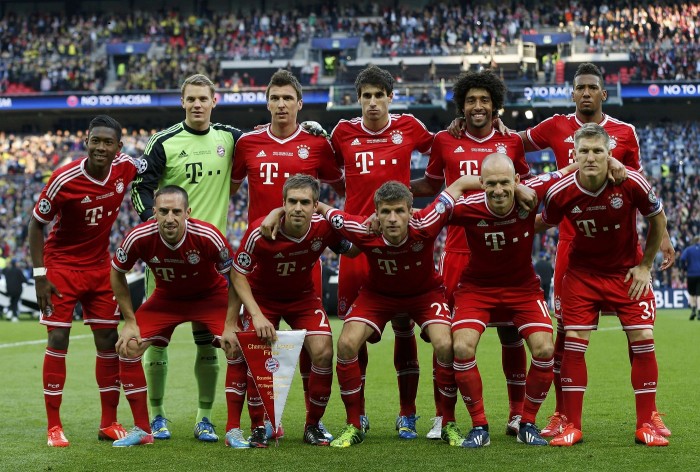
129,341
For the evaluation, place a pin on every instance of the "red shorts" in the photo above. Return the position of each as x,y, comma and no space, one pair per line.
377,310
525,308
158,317
89,287
307,314
352,273
585,294
561,262
451,266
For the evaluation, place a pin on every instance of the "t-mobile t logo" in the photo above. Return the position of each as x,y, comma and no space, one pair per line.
468,168
495,240
268,171
364,160
587,227
92,215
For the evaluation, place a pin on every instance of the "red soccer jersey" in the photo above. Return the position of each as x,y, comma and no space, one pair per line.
190,269
282,269
501,245
606,238
452,158
557,132
269,161
85,210
406,269
371,158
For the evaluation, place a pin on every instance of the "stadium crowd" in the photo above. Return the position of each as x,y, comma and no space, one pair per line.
49,52
26,161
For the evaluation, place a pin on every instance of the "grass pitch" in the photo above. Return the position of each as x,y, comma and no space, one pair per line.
609,422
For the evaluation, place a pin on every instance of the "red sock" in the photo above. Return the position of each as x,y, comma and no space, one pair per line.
320,383
54,374
407,371
514,361
350,381
645,375
235,391
134,383
255,404
436,391
305,371
470,386
539,379
447,390
107,375
574,378
558,355
363,360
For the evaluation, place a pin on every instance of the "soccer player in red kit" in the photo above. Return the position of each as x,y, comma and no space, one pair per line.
606,269
499,282
557,132
267,157
478,96
280,275
373,149
72,265
402,282
188,258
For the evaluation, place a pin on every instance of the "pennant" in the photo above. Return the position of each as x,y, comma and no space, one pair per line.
272,367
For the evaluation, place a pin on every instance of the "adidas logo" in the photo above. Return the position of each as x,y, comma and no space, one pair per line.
355,142
570,139
576,210
183,154
261,154
155,260
569,438
482,223
376,250
459,149
279,255
86,199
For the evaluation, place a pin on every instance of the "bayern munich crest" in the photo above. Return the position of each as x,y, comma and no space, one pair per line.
316,245
502,148
396,137
417,247
272,365
121,255
303,151
44,206
220,151
193,258
613,142
616,201
523,213
120,186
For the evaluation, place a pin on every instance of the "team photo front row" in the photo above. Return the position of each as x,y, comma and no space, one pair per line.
271,276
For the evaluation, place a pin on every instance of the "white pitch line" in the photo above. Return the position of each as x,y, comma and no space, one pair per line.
40,341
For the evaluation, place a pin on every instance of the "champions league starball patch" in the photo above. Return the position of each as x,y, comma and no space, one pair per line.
223,254
244,260
141,165
337,221
44,206
121,255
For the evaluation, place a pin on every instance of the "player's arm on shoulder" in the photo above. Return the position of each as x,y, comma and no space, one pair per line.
540,225
145,184
271,224
617,172
640,275
42,284
426,186
464,184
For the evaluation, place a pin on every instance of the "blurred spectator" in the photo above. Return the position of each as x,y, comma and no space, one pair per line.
14,280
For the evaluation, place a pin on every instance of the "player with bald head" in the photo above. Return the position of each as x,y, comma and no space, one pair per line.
500,282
